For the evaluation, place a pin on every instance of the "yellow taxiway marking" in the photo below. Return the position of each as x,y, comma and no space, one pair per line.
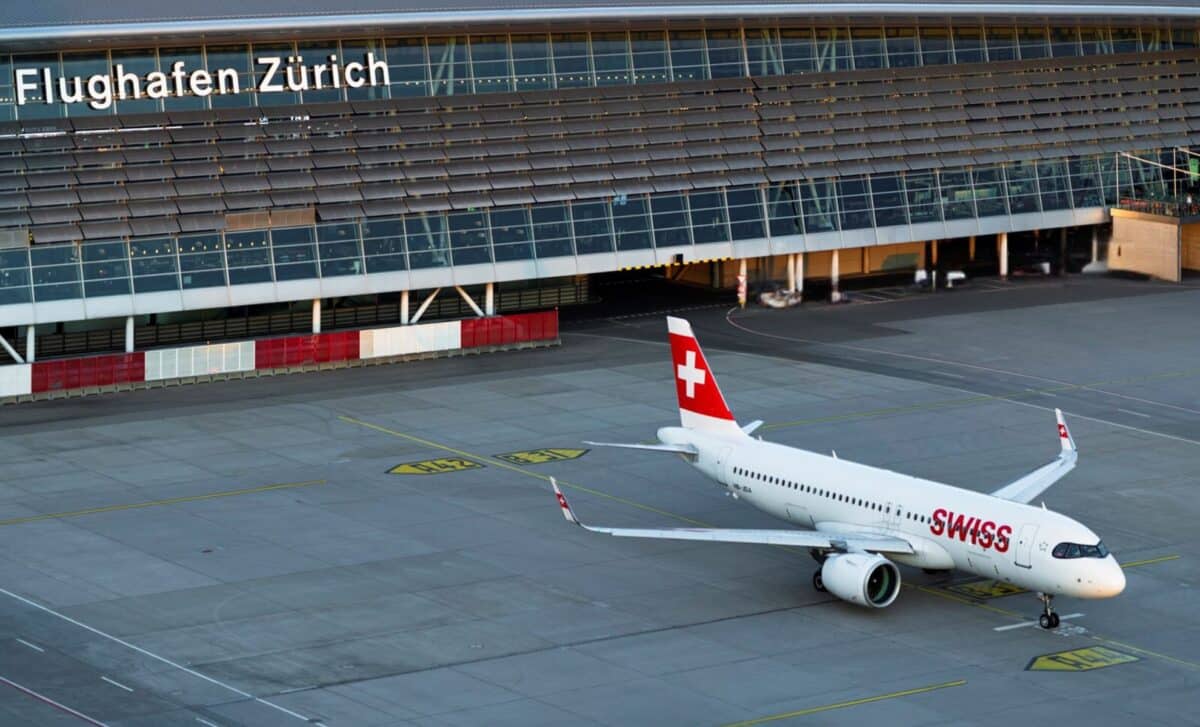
985,590
1085,659
541,456
157,503
848,703
1149,561
521,470
434,466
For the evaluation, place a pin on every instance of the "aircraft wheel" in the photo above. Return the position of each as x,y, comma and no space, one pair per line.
818,582
1046,622
1054,620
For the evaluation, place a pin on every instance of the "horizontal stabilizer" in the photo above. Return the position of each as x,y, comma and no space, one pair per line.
675,448
752,427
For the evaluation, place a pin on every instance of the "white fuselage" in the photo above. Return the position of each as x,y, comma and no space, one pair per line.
949,527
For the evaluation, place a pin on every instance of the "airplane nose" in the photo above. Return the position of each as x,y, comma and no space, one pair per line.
1113,581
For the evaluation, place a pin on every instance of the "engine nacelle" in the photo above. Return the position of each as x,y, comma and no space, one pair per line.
861,578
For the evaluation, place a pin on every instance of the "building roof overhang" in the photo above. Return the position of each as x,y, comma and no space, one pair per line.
31,24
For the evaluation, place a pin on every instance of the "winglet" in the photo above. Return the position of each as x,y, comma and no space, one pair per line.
1064,435
562,502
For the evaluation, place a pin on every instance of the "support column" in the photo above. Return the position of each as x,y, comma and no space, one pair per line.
489,299
800,273
1002,254
469,301
316,315
971,248
741,282
791,273
404,307
1095,245
128,334
30,344
835,296
425,304
1062,252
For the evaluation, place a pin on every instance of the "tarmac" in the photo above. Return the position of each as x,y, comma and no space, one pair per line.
380,546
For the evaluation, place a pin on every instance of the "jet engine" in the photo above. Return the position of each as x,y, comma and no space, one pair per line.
861,578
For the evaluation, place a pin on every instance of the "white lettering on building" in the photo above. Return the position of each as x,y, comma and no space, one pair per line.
275,74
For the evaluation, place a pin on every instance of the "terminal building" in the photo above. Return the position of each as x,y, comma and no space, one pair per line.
179,168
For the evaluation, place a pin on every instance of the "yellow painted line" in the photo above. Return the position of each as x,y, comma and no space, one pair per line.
1146,652
158,503
1149,561
985,590
520,470
952,597
849,703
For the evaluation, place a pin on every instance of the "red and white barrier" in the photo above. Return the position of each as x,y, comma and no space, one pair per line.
404,340
217,358
16,380
288,352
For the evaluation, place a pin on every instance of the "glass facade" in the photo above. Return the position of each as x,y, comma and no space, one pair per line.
467,64
671,221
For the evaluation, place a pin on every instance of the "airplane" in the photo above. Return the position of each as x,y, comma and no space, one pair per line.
860,521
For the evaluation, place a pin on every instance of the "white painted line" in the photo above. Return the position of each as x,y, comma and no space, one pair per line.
1135,413
152,655
947,373
210,724
1023,624
47,700
116,683
35,647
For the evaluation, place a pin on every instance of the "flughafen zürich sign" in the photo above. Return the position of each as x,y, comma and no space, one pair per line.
276,74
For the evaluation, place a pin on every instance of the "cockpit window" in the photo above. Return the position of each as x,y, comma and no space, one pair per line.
1075,550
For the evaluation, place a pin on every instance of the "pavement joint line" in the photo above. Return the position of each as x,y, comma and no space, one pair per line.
57,705
1064,385
35,647
521,470
974,398
158,503
144,652
848,703
1149,561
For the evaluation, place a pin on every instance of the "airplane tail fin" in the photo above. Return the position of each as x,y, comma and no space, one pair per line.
701,405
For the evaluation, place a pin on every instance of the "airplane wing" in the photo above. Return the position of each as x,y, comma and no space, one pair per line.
1035,483
795,538
676,448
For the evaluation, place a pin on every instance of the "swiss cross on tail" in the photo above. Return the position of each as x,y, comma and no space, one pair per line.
701,405
1064,436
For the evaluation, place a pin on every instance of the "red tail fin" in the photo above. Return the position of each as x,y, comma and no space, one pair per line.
701,405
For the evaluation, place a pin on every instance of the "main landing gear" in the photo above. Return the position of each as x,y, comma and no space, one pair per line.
818,582
1049,619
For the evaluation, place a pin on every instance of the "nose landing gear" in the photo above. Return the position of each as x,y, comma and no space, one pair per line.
1049,619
